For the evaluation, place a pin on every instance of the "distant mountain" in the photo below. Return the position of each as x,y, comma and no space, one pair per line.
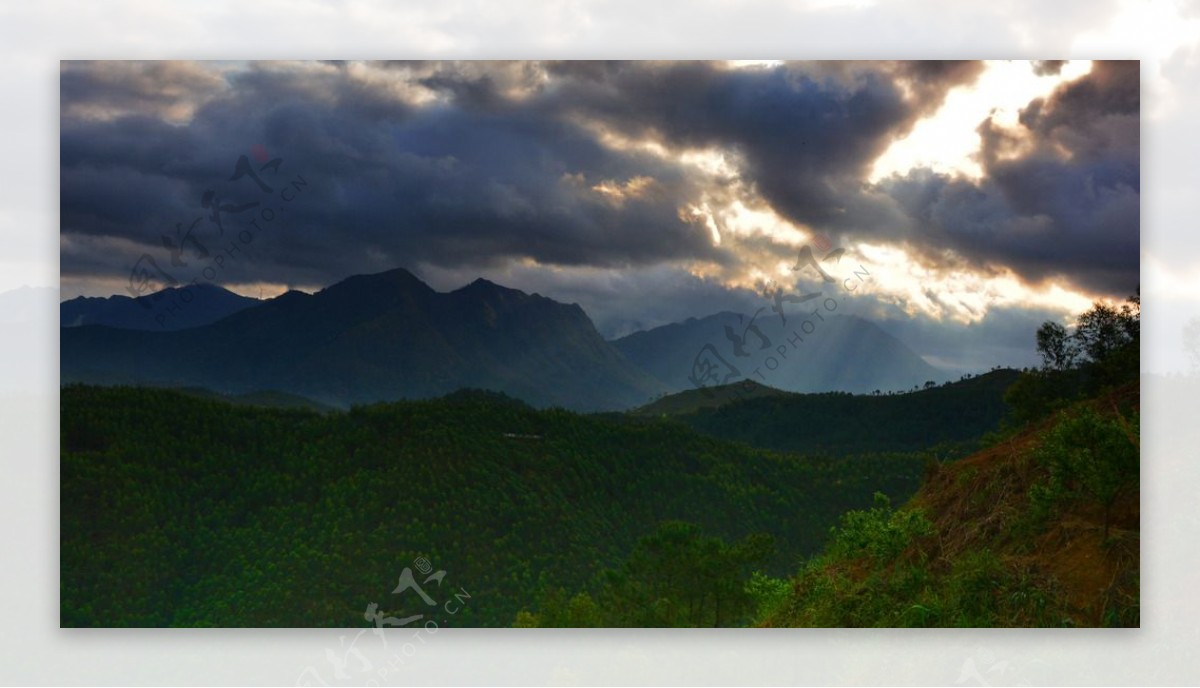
832,353
175,308
693,400
375,338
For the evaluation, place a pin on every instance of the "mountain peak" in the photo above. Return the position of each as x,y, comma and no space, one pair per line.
173,308
388,280
485,286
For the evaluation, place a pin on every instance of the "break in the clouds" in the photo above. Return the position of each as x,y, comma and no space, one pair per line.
582,179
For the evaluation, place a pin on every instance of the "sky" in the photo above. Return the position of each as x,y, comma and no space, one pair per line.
982,197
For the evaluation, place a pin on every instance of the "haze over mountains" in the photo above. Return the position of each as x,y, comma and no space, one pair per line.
389,336
832,353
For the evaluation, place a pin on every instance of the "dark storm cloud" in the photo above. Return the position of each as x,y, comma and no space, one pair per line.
162,89
391,184
468,166
806,132
1059,199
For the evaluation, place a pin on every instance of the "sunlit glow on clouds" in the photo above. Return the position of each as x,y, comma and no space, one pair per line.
947,141
617,192
735,219
959,295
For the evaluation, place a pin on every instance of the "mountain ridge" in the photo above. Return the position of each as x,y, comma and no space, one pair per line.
380,337
840,353
173,308
389,336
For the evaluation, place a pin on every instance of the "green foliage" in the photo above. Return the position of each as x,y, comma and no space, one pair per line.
950,417
675,577
976,590
1090,456
526,619
1045,498
881,532
1057,348
1039,393
179,511
1100,353
987,571
557,610
768,594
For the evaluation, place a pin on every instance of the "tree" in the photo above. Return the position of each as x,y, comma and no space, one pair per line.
1101,331
1057,348
679,577
1093,456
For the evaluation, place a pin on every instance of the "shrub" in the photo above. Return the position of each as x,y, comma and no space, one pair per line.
880,532
1088,456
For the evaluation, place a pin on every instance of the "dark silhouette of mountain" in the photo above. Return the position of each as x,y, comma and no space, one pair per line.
696,399
174,308
377,337
842,353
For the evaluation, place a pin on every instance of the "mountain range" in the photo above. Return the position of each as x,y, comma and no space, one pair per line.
374,338
389,336
173,308
833,352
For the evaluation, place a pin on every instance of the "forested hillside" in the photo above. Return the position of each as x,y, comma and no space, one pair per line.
180,511
953,415
1039,528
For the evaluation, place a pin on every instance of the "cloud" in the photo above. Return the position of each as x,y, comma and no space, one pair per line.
1060,196
390,183
167,90
673,180
1048,67
804,133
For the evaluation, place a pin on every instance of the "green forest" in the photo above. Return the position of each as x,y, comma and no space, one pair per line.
185,509
182,511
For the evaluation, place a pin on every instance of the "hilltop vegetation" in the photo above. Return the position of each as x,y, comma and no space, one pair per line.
952,416
1040,529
